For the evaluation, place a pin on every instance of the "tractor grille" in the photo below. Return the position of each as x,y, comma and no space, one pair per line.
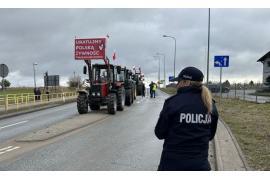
96,90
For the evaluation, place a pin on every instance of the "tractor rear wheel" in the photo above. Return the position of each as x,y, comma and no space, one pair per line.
135,93
132,96
112,104
128,97
82,104
120,99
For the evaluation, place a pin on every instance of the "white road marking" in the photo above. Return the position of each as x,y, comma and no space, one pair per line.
12,149
3,149
8,149
10,125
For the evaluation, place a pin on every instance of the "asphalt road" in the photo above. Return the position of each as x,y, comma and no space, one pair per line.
14,126
124,141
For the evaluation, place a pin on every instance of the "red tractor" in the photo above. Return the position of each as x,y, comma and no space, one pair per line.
106,89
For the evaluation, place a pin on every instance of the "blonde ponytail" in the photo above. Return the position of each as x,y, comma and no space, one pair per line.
207,98
206,94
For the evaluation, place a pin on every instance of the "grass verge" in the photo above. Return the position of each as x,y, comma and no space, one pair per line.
250,123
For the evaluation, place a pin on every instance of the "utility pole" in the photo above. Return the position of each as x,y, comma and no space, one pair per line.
163,68
158,67
34,69
208,48
174,52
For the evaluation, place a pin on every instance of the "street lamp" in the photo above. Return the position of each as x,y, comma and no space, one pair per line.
34,69
158,67
174,52
161,54
208,47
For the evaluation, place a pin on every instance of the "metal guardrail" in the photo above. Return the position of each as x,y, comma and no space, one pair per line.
29,98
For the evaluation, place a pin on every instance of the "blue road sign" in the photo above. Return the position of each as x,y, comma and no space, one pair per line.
221,61
171,78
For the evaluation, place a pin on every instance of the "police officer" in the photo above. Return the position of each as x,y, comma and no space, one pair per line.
187,123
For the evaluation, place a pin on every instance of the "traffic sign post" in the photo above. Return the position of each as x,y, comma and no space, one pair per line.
171,78
221,61
220,82
3,73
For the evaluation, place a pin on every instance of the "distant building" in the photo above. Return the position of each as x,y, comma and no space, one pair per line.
265,60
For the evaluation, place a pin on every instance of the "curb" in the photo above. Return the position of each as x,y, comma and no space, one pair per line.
52,105
239,150
219,164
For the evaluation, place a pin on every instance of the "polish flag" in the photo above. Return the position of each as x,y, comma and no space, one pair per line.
114,55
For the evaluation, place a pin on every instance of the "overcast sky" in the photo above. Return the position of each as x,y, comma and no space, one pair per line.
46,36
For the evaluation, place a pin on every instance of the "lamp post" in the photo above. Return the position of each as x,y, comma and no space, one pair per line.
174,52
208,47
34,69
158,68
161,54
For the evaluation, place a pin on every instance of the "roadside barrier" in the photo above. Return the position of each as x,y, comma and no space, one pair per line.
20,100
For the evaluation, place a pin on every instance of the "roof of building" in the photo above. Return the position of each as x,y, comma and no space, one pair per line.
262,59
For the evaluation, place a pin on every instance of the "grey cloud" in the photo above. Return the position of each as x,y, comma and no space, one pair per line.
46,36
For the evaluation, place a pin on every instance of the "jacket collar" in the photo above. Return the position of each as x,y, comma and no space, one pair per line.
189,89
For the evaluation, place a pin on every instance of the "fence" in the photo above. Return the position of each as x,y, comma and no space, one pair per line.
19,100
244,92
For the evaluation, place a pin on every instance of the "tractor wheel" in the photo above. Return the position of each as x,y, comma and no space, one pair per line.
132,97
82,104
135,92
94,107
120,99
128,97
112,104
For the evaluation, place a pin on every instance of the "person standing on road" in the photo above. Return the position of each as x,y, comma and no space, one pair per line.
187,123
143,90
38,93
154,90
151,89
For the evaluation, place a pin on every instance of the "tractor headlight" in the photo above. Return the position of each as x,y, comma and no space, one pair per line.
98,94
93,94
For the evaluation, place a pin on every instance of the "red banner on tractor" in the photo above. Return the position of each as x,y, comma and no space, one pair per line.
88,49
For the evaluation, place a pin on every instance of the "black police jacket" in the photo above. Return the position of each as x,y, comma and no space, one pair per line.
185,125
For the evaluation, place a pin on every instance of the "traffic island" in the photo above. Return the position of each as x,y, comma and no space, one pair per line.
62,127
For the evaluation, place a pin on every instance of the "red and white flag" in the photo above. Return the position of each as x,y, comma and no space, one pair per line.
114,55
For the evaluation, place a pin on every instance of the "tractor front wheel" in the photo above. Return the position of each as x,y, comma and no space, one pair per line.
120,99
82,104
128,97
112,104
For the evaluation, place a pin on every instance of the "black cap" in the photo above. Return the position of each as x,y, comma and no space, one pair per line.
190,73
